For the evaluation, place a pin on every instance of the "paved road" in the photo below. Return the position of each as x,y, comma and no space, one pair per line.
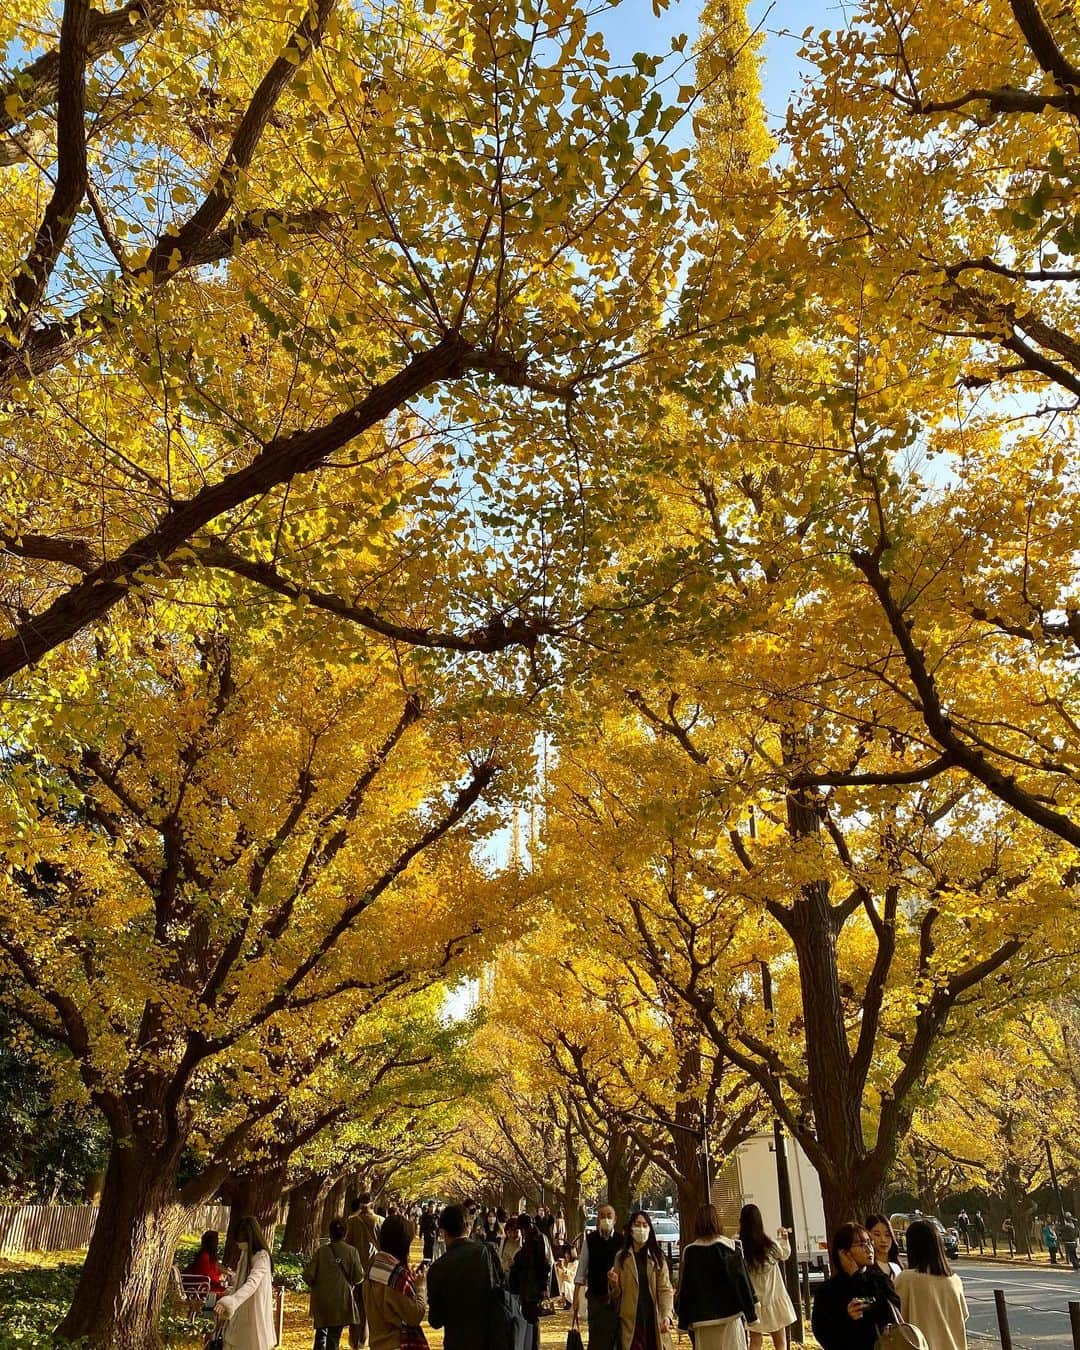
1037,1298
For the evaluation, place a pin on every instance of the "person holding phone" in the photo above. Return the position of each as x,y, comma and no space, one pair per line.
857,1302
395,1298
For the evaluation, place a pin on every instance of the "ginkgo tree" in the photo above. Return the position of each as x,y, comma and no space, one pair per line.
931,175
883,928
991,1112
642,1085
212,871
253,254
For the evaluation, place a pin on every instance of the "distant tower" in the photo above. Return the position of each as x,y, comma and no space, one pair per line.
515,841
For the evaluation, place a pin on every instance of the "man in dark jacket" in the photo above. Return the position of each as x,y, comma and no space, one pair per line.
1068,1233
459,1286
595,1260
429,1227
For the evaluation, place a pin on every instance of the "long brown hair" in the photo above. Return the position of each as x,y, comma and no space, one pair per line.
757,1246
925,1251
249,1230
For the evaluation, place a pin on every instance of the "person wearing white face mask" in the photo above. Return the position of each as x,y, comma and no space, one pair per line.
247,1313
598,1253
640,1279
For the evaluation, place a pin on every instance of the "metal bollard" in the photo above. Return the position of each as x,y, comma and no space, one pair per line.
1003,1319
1074,1320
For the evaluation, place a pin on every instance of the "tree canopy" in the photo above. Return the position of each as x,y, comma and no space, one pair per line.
413,420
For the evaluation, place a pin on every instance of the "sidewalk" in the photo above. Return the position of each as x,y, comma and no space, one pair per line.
1003,1258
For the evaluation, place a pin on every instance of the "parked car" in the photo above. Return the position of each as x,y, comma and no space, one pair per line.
950,1238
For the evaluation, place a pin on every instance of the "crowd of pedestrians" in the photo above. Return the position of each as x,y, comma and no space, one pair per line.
485,1278
1062,1235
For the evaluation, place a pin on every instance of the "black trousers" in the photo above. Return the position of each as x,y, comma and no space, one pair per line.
603,1322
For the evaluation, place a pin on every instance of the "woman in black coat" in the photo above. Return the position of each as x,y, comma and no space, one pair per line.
857,1302
529,1276
714,1288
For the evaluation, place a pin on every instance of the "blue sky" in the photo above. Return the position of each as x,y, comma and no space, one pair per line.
632,27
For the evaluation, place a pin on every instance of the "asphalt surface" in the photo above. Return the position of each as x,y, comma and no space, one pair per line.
1037,1298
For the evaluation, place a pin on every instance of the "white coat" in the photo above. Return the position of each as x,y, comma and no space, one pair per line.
251,1306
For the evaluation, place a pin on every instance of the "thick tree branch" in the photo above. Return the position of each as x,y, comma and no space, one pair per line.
838,778
30,281
280,460
52,343
215,206
1043,44
75,553
1004,99
940,726
37,84
495,636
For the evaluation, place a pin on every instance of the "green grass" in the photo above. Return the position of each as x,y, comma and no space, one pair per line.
36,1289
32,1301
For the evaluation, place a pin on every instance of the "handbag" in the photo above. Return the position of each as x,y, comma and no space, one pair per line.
573,1340
215,1342
901,1336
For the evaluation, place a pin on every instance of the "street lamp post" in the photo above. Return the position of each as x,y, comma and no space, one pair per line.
1054,1179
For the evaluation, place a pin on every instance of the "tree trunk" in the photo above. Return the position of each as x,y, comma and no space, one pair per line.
303,1227
572,1210
257,1194
128,1265
619,1176
689,1196
1017,1208
335,1204
849,1200
687,1173
851,1178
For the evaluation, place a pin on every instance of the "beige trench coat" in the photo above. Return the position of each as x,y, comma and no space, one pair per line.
663,1298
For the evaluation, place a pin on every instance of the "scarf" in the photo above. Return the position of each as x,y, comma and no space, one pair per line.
389,1271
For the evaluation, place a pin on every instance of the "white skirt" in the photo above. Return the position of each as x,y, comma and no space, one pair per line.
722,1333
776,1311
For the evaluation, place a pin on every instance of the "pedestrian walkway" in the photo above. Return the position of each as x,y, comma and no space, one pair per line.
298,1328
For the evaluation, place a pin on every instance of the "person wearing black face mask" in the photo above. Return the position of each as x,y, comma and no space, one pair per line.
597,1257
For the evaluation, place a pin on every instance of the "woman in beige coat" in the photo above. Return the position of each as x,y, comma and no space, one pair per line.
395,1298
640,1275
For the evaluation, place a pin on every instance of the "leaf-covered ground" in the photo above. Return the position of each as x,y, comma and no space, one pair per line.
35,1289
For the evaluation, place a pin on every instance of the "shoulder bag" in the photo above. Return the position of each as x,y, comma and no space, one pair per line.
356,1292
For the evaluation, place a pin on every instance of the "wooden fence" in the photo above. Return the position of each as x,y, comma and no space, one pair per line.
67,1228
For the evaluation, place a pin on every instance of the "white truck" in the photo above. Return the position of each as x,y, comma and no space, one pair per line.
755,1163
